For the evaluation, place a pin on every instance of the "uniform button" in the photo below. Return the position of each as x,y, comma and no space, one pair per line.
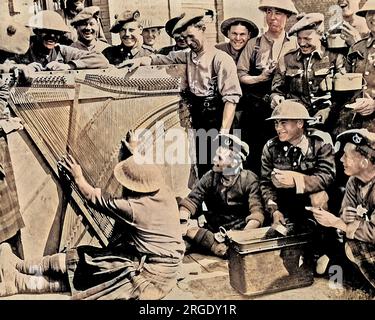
367,73
309,70
310,82
312,95
285,148
294,164
373,46
349,125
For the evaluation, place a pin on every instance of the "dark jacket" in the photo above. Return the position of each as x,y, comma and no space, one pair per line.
230,207
318,166
307,78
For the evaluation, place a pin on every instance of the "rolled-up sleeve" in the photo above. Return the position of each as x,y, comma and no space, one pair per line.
84,59
174,57
228,83
118,209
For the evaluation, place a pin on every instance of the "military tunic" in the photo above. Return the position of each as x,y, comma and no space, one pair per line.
361,232
78,59
226,47
361,59
96,45
228,206
317,163
308,79
118,54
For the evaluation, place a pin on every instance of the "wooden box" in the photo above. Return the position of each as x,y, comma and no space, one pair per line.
262,261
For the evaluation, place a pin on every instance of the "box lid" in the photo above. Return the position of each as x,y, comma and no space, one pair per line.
266,238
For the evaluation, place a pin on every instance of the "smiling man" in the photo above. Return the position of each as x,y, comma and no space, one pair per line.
87,28
231,194
213,87
306,72
239,31
298,168
354,27
128,26
151,34
357,215
45,53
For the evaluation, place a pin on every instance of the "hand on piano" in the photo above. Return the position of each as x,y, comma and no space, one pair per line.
57,66
71,165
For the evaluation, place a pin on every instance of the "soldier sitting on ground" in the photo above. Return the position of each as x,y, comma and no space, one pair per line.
231,194
144,265
298,169
357,215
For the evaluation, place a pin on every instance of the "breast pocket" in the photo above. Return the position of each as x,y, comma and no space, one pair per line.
323,79
294,80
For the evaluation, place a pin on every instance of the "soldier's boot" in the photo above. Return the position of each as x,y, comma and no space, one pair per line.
49,264
206,239
52,264
14,282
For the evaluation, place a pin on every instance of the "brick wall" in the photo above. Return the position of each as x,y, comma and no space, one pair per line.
103,4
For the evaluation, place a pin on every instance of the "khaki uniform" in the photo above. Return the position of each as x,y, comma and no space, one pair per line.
212,81
361,59
96,46
227,48
361,232
308,79
147,255
255,104
120,53
78,58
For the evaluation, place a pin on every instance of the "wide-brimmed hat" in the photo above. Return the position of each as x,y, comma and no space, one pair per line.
190,18
124,17
48,19
14,36
251,26
171,23
290,110
368,6
363,139
142,178
284,5
308,21
86,14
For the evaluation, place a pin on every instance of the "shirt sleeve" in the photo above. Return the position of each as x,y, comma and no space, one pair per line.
84,59
174,57
243,64
359,229
227,78
118,209
278,82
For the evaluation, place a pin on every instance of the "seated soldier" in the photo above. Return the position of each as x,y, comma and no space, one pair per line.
231,194
144,266
298,168
87,27
357,215
46,54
